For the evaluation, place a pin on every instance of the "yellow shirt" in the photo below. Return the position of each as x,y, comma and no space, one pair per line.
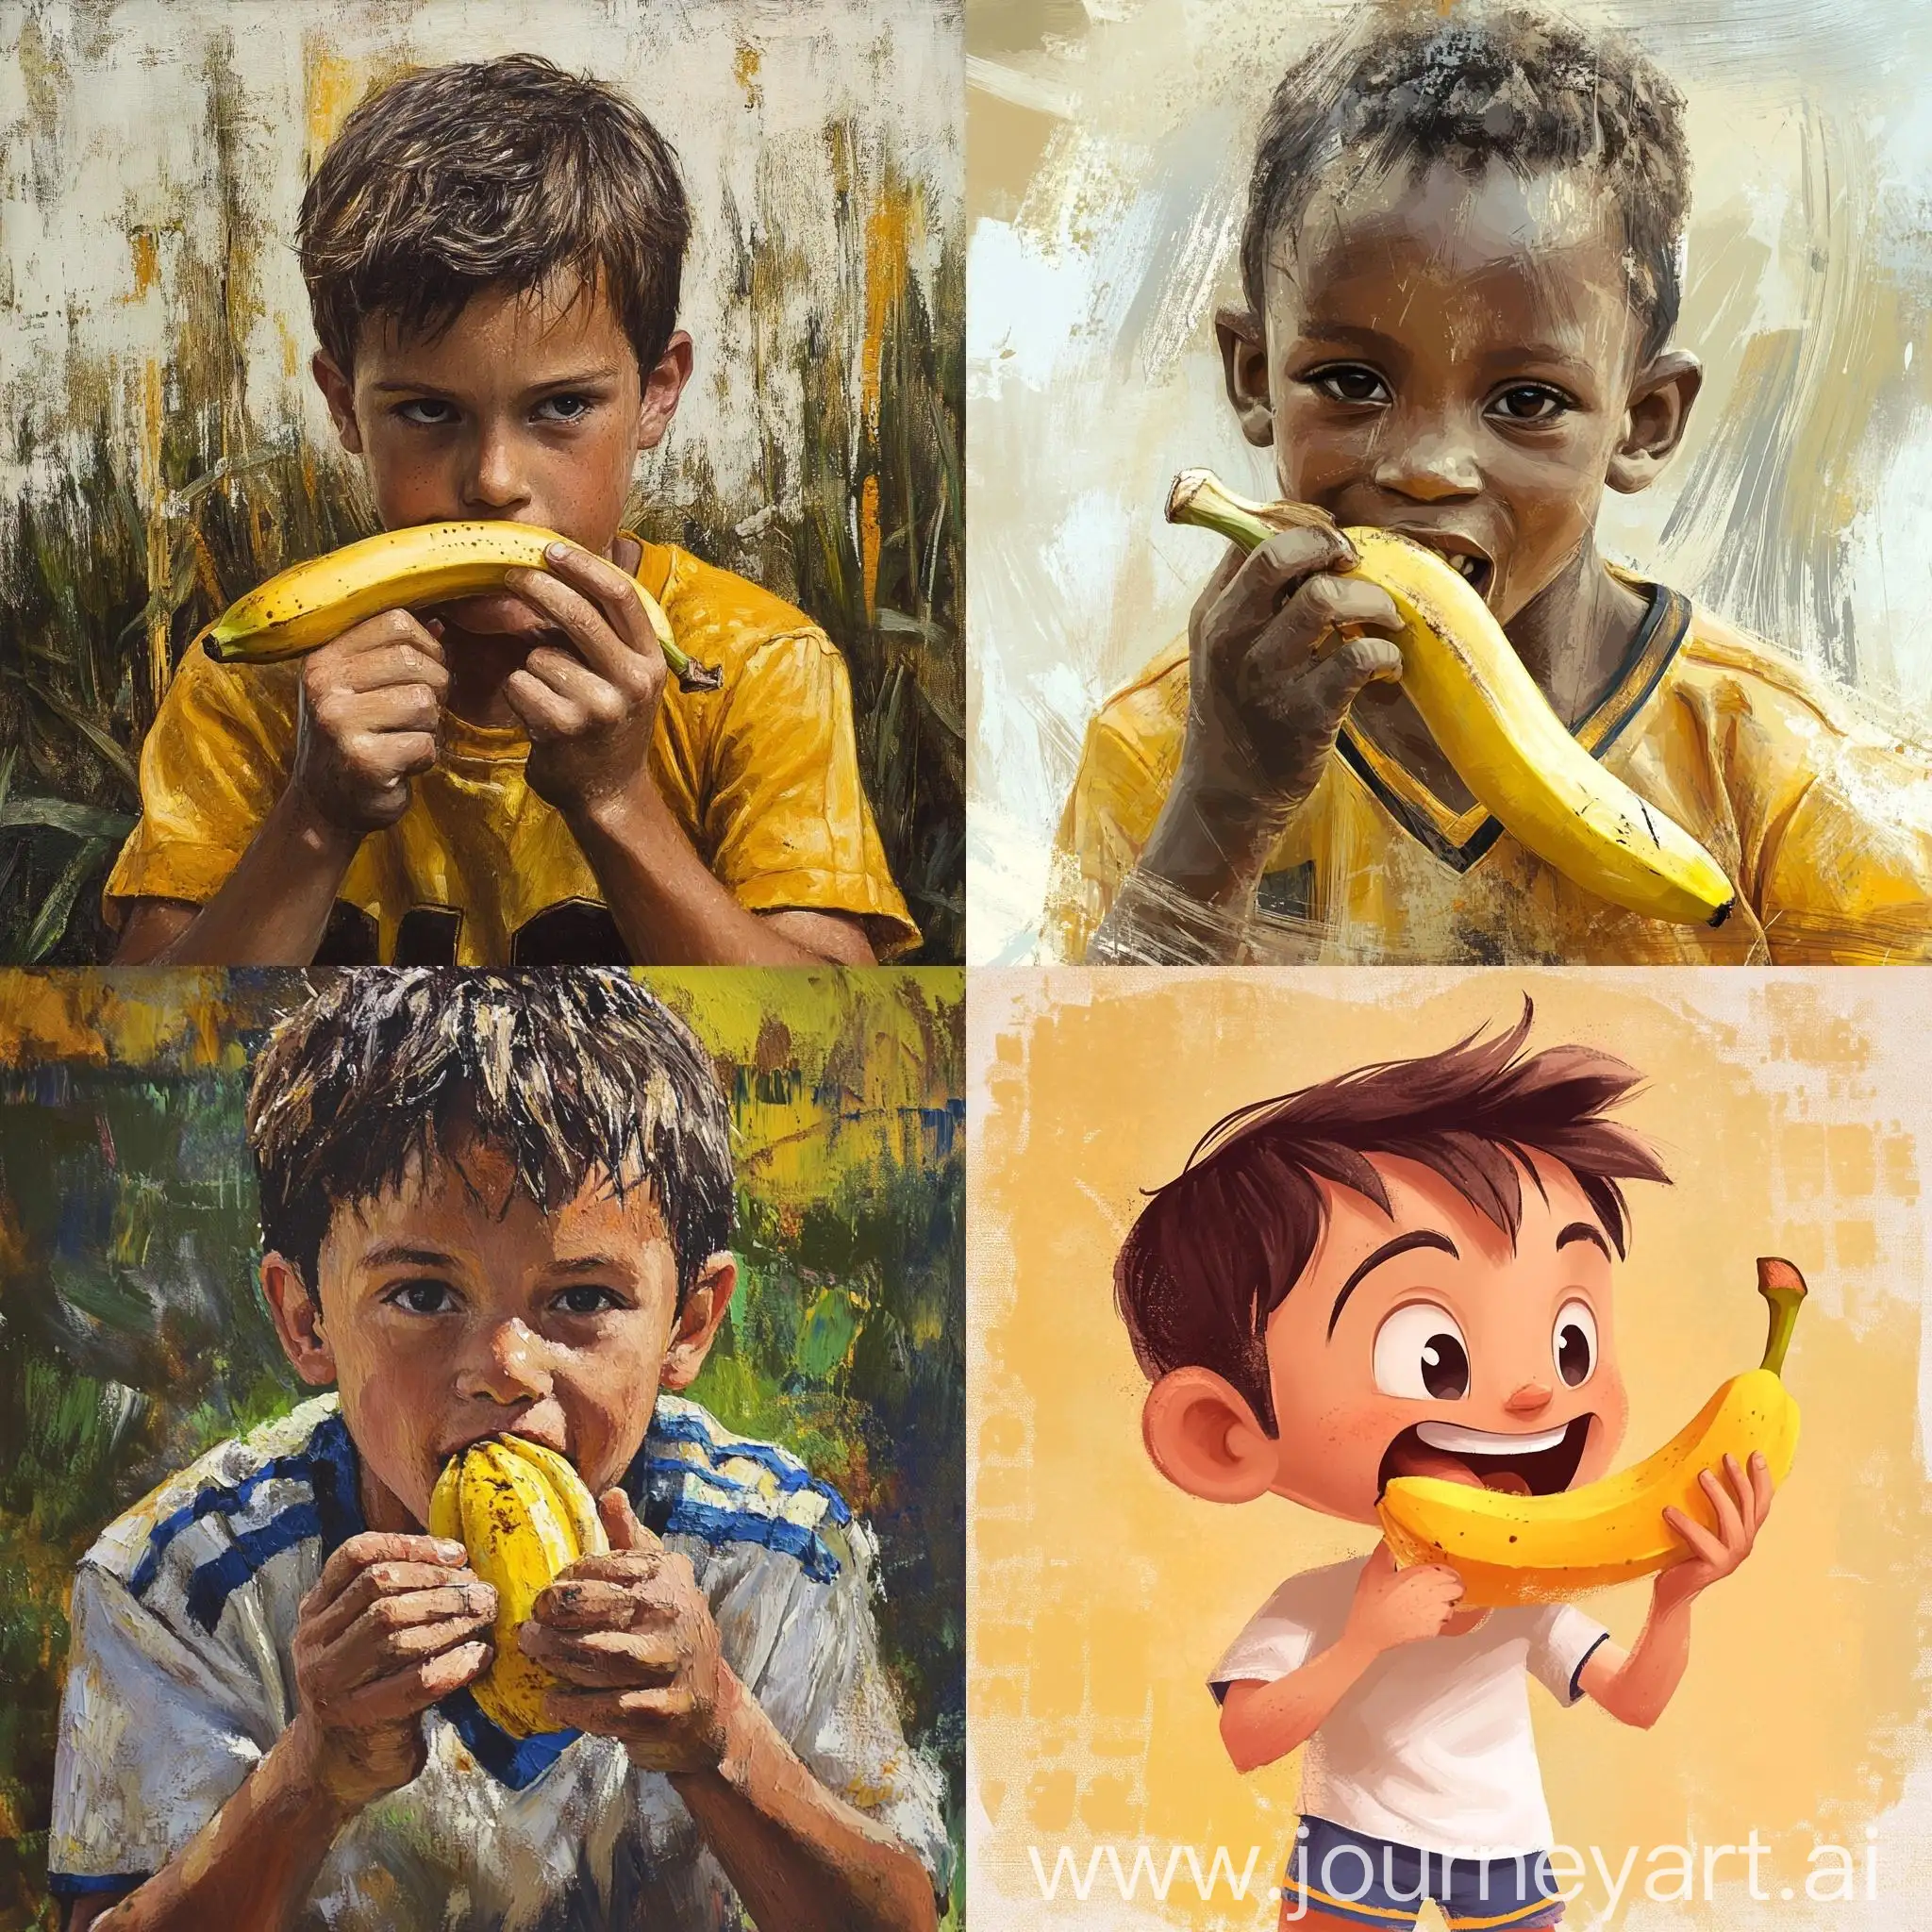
1823,823
762,776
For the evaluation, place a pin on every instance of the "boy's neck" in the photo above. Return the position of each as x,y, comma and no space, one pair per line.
1574,638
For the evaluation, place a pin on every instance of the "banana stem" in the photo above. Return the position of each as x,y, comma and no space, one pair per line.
1200,498
1783,1287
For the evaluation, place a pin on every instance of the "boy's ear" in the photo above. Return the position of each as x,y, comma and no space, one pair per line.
297,1316
1654,420
664,386
1203,1438
1244,365
338,393
698,1321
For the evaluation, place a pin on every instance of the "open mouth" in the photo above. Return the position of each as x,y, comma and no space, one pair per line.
1539,1464
1468,561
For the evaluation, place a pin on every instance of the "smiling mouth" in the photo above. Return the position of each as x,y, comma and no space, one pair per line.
1543,1463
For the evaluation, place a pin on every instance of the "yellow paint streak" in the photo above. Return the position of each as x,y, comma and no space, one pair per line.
155,492
331,86
148,262
745,69
888,236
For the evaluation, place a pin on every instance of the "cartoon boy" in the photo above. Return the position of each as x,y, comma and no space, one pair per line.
1406,1270
1461,271
489,1204
493,254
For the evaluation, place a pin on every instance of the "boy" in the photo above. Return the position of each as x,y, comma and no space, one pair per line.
493,255
1352,1283
489,1205
1460,264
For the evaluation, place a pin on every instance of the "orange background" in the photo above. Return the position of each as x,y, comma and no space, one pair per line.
1790,1109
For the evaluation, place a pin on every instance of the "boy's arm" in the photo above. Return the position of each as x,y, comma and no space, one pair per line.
634,1640
1278,649
1263,1721
1635,1686
590,716
366,721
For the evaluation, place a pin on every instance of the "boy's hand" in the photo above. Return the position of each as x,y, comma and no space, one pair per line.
1740,1513
590,710
1272,672
390,1627
371,705
633,1638
1393,1606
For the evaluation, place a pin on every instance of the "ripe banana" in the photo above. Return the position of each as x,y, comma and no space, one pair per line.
425,563
1511,1549
522,1513
1492,723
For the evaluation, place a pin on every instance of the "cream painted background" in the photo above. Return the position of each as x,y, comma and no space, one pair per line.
1108,143
1794,1113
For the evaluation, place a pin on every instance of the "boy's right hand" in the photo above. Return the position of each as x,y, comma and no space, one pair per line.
372,702
1393,1606
1272,673
390,1627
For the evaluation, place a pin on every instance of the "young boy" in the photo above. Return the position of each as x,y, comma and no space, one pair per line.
1460,264
493,255
1407,1271
489,1205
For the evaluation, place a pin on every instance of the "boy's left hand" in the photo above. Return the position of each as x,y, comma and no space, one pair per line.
633,1638
588,710
1741,1510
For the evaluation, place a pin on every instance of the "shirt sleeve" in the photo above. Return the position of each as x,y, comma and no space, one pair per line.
784,820
1295,1624
156,1736
213,763
1108,816
824,1687
1560,1642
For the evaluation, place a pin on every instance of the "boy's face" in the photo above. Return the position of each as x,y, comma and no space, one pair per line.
1457,356
1425,1343
529,408
453,1307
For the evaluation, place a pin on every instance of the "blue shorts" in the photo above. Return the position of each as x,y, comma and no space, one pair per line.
1370,1881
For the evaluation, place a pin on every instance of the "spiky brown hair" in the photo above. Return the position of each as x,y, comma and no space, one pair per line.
1216,1251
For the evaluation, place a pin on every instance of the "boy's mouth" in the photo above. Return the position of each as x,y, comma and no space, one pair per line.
1465,556
1541,1464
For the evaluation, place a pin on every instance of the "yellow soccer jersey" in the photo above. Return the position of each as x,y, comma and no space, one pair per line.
763,775
1823,823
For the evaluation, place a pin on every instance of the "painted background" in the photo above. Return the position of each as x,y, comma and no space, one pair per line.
1792,1111
132,1334
1108,151
162,447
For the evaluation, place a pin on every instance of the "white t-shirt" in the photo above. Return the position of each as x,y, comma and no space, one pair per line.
1431,1747
180,1678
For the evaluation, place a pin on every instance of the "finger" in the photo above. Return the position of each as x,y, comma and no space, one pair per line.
379,1546
542,712
1747,1499
1730,1526
631,1568
387,627
587,1604
1381,1562
362,1663
1231,561
1272,572
609,1711
396,754
613,591
1698,1539
411,706
603,646
595,699
1323,613
1762,1488
604,1660
621,1523
403,662
391,1579
412,1689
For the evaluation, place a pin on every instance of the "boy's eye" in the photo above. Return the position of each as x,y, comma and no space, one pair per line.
1421,1354
428,412
424,1297
1349,382
1573,1342
569,408
1531,401
587,1301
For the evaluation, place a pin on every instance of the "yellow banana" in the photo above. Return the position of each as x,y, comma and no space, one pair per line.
1492,723
1510,1549
425,563
522,1513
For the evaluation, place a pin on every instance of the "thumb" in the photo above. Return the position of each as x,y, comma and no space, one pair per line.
1381,1562
620,1523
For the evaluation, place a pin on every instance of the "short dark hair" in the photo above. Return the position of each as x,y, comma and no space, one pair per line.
1215,1252
566,1074
1414,87
492,173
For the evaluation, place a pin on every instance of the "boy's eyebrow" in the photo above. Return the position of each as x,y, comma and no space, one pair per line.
576,379
588,1264
1583,1232
1401,1244
384,1253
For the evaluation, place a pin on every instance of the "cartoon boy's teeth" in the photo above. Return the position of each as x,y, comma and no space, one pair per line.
1461,1441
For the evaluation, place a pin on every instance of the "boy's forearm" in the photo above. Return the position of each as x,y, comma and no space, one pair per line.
1649,1676
1275,1719
665,901
800,1859
273,908
251,1866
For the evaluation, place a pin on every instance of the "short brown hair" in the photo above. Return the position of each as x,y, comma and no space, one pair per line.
492,173
567,1074
1215,1252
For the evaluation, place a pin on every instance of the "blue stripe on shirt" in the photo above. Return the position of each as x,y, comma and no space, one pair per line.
217,1580
676,1427
223,1499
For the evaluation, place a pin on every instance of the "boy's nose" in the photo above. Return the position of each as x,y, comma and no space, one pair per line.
494,485
1430,470
1531,1399
510,1367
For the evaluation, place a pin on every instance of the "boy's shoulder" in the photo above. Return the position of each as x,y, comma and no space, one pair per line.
717,616
1719,656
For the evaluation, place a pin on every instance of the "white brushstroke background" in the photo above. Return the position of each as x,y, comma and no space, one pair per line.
1800,507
